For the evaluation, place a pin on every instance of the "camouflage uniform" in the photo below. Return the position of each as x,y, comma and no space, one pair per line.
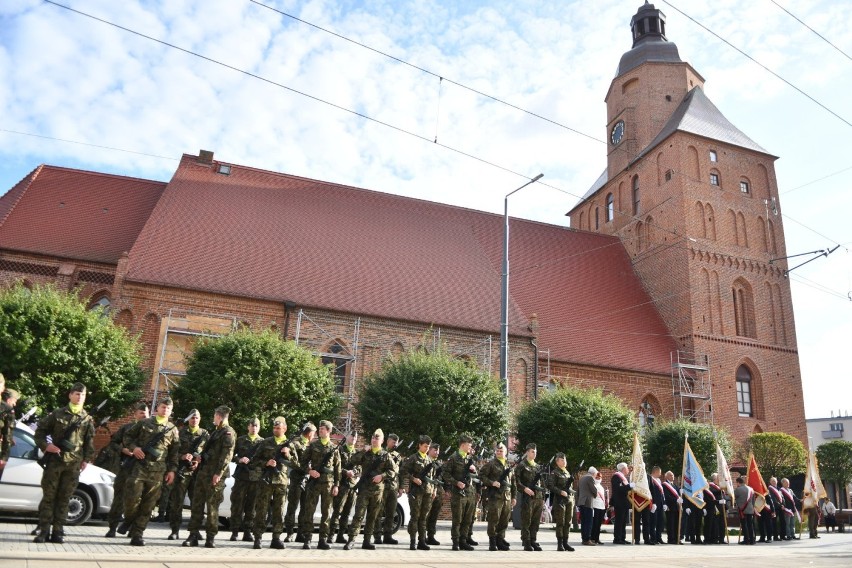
498,505
111,461
214,461
7,424
435,508
563,507
369,493
387,509
525,475
246,484
324,459
273,485
295,493
342,506
462,501
146,476
419,496
186,473
63,471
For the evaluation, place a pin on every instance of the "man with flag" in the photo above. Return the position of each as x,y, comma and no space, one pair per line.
791,512
755,481
694,484
620,488
672,508
726,490
744,497
813,492
778,525
640,496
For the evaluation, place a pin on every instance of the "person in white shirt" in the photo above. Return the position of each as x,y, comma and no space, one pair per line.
599,504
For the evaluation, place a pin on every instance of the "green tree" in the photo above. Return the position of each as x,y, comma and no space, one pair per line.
434,394
256,374
777,454
835,465
49,341
584,424
664,444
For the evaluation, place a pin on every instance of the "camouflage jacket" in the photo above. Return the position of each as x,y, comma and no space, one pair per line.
245,448
373,464
324,459
269,449
217,454
81,439
525,476
7,424
163,454
496,471
412,467
346,453
456,469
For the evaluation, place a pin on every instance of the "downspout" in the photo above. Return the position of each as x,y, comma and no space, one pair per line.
535,369
288,307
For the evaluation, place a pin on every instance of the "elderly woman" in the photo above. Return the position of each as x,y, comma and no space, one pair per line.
599,504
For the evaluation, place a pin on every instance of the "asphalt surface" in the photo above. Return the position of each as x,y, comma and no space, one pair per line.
86,547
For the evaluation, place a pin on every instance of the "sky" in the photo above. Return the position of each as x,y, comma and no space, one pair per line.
454,102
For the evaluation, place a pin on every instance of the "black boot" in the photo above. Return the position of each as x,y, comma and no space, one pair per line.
367,545
299,537
247,537
111,532
137,541
57,536
41,535
536,546
390,540
470,540
559,546
492,543
430,539
502,544
174,536
123,527
209,542
323,544
378,539
349,544
528,547
306,542
567,546
192,539
455,544
234,535
464,545
341,538
421,545
413,545
288,537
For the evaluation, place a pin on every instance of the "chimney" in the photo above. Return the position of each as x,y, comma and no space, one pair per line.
205,157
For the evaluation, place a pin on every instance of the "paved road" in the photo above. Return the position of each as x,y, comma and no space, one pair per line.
86,547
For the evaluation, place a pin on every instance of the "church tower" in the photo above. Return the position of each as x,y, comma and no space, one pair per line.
695,203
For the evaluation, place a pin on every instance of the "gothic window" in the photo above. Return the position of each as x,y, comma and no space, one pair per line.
711,222
745,187
639,236
338,356
610,208
647,413
597,218
743,309
713,156
744,390
635,195
715,179
102,303
580,222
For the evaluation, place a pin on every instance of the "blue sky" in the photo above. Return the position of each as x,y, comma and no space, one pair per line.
72,78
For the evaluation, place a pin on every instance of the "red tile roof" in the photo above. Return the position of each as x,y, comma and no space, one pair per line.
76,214
261,234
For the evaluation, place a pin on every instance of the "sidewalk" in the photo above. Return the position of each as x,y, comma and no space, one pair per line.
87,548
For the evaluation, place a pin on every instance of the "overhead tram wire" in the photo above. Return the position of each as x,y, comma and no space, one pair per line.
819,35
88,144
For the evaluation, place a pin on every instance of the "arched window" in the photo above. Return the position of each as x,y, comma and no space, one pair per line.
744,390
743,308
648,411
101,303
580,221
339,357
610,208
597,218
640,229
635,195
715,178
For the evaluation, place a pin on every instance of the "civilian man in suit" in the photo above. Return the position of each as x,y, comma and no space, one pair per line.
744,497
585,500
671,507
658,500
621,486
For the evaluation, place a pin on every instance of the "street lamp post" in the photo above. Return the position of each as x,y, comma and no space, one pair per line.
504,296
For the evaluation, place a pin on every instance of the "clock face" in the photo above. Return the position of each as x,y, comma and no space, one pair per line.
617,132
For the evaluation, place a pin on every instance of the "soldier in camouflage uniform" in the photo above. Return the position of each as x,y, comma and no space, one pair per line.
527,482
498,484
192,440
419,471
459,472
274,456
562,495
345,500
295,493
154,443
72,448
384,522
438,499
376,468
7,422
246,482
210,479
322,463
113,453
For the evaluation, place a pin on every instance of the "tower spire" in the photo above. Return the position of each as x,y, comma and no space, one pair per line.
649,24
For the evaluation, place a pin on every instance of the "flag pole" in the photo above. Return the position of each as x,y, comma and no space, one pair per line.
682,472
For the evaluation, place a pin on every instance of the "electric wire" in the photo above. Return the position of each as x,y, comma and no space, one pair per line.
822,37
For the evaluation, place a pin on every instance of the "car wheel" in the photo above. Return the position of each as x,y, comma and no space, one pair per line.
397,519
79,507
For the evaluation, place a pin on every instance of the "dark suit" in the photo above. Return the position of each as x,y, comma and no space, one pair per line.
711,535
671,492
658,499
588,492
620,488
778,513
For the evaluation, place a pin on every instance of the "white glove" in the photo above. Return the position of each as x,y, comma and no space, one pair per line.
721,501
704,511
680,501
653,508
632,485
665,508
689,511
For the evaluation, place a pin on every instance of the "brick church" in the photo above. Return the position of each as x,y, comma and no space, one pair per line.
663,291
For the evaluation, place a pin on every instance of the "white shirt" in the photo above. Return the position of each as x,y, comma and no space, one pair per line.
599,502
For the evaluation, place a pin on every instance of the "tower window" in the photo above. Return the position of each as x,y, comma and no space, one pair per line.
743,309
744,407
610,208
668,175
597,218
744,188
635,195
713,156
714,179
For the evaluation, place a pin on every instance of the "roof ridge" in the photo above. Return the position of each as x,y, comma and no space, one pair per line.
17,199
101,174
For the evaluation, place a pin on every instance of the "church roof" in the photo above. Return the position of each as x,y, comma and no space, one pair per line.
660,51
76,214
278,237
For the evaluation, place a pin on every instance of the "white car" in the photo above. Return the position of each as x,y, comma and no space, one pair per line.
401,518
20,486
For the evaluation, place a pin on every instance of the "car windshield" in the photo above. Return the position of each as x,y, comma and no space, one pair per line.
25,446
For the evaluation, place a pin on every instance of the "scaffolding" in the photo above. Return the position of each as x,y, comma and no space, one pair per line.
179,331
691,386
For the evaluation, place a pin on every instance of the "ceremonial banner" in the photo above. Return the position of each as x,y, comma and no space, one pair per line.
755,481
694,481
640,495
726,484
814,490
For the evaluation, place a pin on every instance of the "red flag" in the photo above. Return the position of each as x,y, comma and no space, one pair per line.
755,481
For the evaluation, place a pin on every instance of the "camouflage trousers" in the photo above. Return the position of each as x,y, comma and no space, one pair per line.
562,513
57,485
367,505
243,499
140,497
463,508
340,510
435,512
119,491
317,493
295,498
269,495
178,496
530,517
206,497
498,511
420,504
387,510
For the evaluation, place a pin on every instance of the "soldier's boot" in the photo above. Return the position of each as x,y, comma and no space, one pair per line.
430,539
559,546
235,535
276,542
341,536
258,541
492,543
464,545
349,543
123,527
306,542
455,544
568,547
378,539
137,540
209,542
367,545
528,547
421,545
470,540
192,539
174,535
413,545
536,546
390,539
299,537
35,531
502,544
111,532
323,543
41,535
57,536
160,518
247,537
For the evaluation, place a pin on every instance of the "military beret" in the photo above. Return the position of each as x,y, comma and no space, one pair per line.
222,410
327,425
77,387
378,433
254,421
424,439
465,439
531,446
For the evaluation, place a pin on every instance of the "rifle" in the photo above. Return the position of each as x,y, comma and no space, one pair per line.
322,467
534,486
468,476
280,461
250,454
64,441
128,462
184,464
29,414
494,490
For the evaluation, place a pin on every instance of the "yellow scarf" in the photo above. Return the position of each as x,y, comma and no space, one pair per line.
223,423
422,455
75,408
253,437
192,430
376,450
463,454
502,461
161,419
351,449
280,440
324,441
532,463
304,441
